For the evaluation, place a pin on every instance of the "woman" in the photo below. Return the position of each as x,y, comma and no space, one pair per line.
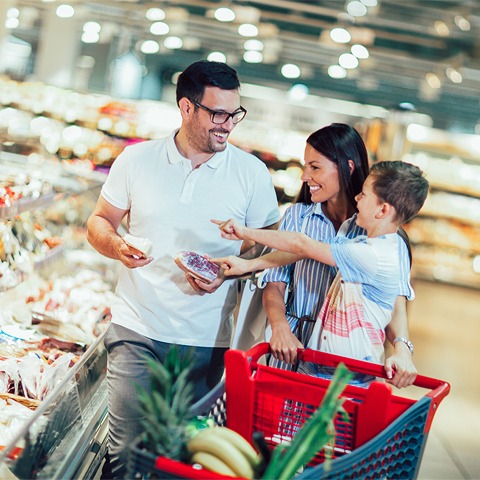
336,165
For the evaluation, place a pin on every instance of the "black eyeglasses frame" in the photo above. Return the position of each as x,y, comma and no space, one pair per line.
220,112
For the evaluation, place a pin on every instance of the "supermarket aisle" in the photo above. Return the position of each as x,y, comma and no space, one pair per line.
444,326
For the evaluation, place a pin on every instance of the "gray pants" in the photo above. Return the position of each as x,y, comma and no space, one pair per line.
127,368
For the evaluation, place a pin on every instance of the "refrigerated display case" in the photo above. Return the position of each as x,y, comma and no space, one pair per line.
64,435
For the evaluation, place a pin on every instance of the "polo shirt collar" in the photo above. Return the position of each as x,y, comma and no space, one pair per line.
174,155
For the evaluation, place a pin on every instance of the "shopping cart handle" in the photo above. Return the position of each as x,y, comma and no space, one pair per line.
440,388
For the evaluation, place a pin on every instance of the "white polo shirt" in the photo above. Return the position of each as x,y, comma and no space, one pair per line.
172,205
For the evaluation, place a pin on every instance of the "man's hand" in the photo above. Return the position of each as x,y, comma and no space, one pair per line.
203,287
399,367
131,257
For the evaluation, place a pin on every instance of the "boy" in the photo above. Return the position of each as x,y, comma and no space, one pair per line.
360,301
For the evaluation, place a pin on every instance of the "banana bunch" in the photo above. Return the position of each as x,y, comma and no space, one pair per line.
224,451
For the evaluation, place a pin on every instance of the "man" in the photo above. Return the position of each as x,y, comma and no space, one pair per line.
168,190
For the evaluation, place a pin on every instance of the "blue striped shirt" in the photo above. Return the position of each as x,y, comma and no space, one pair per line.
312,279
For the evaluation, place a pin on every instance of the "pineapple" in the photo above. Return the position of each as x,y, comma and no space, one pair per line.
166,408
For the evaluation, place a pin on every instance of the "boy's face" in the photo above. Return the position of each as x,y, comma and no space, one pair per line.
368,204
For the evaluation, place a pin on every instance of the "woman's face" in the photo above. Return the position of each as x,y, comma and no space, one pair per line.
321,176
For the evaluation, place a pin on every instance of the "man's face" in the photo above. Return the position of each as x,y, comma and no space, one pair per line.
204,135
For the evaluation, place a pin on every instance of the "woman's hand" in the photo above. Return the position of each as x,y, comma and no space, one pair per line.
230,229
399,367
233,266
284,343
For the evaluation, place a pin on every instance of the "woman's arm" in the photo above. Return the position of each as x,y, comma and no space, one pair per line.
235,266
283,343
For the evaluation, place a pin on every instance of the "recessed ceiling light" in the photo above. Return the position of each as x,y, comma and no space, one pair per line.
253,56
340,35
217,57
155,14
150,47
356,9
224,14
173,43
65,11
159,28
347,60
253,44
248,30
336,71
359,51
290,70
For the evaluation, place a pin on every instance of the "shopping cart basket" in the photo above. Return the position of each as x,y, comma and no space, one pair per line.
383,436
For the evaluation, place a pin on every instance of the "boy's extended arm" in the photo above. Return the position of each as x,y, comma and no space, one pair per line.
291,242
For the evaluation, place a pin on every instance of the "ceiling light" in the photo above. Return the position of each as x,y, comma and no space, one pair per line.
65,11
12,23
347,60
248,30
299,91
173,43
340,35
92,27
336,71
290,70
155,14
356,9
90,37
159,28
441,28
462,23
407,106
253,56
253,44
149,46
217,57
454,75
359,51
13,13
433,80
224,14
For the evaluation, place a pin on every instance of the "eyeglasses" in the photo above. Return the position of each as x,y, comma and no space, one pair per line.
219,117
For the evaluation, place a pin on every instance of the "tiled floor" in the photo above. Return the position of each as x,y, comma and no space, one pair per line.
445,328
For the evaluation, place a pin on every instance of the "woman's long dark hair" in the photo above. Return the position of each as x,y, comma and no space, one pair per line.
340,143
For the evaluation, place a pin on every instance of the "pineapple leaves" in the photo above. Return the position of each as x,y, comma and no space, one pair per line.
165,406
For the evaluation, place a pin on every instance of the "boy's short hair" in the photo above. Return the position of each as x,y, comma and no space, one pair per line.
401,185
192,81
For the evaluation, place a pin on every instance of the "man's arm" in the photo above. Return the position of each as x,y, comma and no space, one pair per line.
102,227
399,365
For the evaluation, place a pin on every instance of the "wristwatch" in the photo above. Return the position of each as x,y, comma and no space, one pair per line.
408,343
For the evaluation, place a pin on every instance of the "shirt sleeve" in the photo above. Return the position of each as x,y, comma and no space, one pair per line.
115,190
263,206
281,274
405,287
356,260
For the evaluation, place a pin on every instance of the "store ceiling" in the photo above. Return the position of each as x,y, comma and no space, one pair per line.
413,46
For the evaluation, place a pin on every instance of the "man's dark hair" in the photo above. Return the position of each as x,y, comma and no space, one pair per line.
402,185
193,80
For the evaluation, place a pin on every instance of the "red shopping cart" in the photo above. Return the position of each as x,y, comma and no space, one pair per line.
382,436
